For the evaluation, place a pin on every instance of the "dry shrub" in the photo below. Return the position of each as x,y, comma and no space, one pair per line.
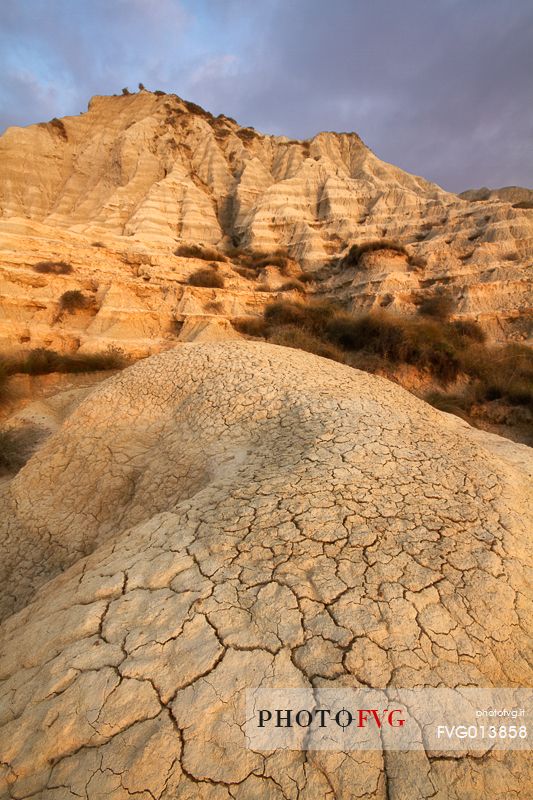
194,108
4,381
292,286
198,251
292,336
259,259
17,446
72,301
313,316
251,326
53,267
41,361
247,134
504,373
417,262
468,329
421,342
437,306
215,306
245,272
207,278
357,251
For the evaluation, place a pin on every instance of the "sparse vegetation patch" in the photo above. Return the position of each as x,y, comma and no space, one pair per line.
382,341
42,361
437,306
197,251
72,301
207,278
357,251
53,267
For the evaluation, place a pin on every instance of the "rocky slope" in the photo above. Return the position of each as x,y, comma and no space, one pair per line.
114,190
235,514
510,194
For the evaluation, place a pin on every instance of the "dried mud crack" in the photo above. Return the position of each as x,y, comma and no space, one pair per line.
225,516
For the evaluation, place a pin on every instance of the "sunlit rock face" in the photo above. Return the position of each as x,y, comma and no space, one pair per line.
112,191
233,515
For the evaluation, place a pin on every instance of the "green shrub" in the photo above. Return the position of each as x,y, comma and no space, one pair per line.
73,300
197,251
207,278
53,267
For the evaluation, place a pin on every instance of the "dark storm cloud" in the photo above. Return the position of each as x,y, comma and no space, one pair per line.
442,88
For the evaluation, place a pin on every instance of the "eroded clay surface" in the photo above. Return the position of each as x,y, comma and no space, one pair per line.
235,515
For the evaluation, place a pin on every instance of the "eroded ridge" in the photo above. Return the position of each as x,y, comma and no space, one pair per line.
238,515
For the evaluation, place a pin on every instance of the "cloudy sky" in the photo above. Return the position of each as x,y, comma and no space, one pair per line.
442,88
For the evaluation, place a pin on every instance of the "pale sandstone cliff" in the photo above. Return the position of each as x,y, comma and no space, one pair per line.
141,173
237,514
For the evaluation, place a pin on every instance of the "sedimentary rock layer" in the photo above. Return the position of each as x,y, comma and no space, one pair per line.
140,173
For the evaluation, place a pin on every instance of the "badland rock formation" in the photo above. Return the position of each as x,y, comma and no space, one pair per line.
510,194
112,191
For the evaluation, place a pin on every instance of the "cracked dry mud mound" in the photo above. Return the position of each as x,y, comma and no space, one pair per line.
254,516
